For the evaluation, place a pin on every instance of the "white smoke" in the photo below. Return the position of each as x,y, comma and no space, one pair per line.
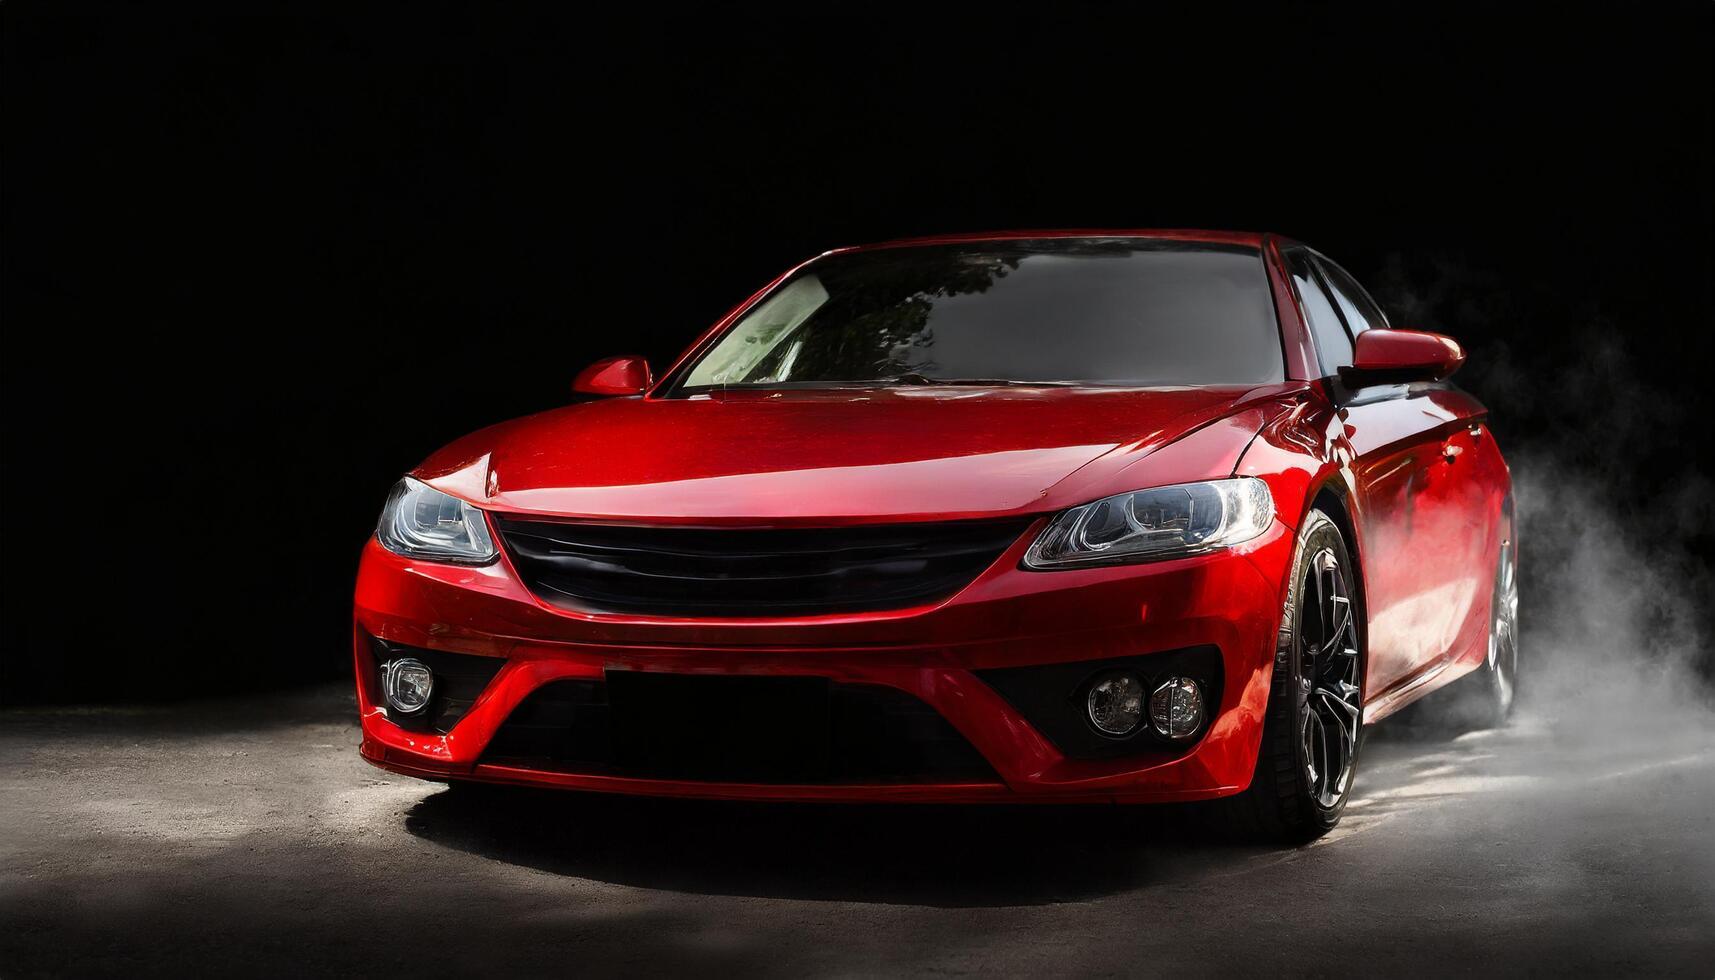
1616,601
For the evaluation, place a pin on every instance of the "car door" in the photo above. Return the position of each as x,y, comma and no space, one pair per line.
1397,437
1452,511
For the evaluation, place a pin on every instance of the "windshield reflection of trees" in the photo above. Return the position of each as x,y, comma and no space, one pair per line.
876,321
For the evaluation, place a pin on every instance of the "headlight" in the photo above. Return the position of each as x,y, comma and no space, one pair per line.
422,522
1166,522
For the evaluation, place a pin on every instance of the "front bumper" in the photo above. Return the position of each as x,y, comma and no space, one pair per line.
1006,618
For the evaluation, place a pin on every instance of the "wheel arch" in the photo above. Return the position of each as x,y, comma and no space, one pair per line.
1331,499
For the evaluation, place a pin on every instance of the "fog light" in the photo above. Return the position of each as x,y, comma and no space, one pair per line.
1115,704
1176,708
407,684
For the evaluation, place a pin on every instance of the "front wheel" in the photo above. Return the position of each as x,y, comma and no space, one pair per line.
1314,724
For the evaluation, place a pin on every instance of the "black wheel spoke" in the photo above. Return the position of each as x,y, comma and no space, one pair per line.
1342,624
1334,595
1318,750
1348,728
1329,675
1339,709
1336,730
1503,632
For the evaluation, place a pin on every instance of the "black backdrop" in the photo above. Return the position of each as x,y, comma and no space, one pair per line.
256,266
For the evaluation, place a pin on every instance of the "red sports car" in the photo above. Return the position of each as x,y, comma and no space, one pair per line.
1028,516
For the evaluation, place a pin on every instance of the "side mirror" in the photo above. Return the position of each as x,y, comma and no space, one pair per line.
627,375
1384,357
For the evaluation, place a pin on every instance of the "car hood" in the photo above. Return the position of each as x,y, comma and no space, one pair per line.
785,457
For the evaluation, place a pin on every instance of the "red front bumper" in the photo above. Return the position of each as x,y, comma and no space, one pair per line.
1006,618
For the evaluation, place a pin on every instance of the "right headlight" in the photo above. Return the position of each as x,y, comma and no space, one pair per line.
1148,525
422,522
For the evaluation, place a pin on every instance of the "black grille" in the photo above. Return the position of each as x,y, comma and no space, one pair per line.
677,571
801,730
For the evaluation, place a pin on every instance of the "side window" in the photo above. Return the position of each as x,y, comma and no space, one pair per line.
1333,344
1360,311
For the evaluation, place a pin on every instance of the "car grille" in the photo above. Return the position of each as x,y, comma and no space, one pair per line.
676,571
722,728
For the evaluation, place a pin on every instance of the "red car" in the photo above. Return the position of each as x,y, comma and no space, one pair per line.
1028,516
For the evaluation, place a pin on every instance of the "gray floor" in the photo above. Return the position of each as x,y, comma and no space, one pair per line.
247,837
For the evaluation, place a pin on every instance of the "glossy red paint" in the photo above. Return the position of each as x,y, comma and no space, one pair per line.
1403,355
1005,618
625,375
1411,472
775,457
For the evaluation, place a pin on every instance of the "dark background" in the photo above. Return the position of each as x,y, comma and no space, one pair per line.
256,266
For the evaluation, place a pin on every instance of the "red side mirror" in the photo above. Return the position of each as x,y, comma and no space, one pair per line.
1399,356
627,375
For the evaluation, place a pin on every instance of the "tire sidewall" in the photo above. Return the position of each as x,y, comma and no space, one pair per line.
1498,706
1319,532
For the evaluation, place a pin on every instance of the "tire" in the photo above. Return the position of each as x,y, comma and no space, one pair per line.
1500,673
1484,698
1314,724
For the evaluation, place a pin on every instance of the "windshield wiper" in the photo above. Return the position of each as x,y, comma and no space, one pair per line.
913,378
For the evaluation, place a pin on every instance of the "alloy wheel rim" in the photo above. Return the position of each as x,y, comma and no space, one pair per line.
1503,638
1330,696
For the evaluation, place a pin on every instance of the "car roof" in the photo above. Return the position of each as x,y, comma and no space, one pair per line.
1252,239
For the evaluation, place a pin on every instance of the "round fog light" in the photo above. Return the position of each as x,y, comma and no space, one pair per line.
1176,708
407,684
1115,704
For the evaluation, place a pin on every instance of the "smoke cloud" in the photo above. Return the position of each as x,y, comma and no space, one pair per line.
1616,520
1601,784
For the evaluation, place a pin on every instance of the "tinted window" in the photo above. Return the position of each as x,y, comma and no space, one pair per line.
1333,345
1089,311
1360,311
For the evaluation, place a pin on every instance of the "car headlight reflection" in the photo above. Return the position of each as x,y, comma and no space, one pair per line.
1148,525
422,522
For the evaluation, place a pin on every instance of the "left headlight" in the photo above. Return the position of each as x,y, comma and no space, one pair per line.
1148,525
422,522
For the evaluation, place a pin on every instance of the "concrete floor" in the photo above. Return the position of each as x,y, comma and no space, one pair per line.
247,837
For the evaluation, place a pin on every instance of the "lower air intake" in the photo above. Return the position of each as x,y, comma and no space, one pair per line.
785,730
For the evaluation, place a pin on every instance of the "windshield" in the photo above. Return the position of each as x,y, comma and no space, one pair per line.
1059,311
